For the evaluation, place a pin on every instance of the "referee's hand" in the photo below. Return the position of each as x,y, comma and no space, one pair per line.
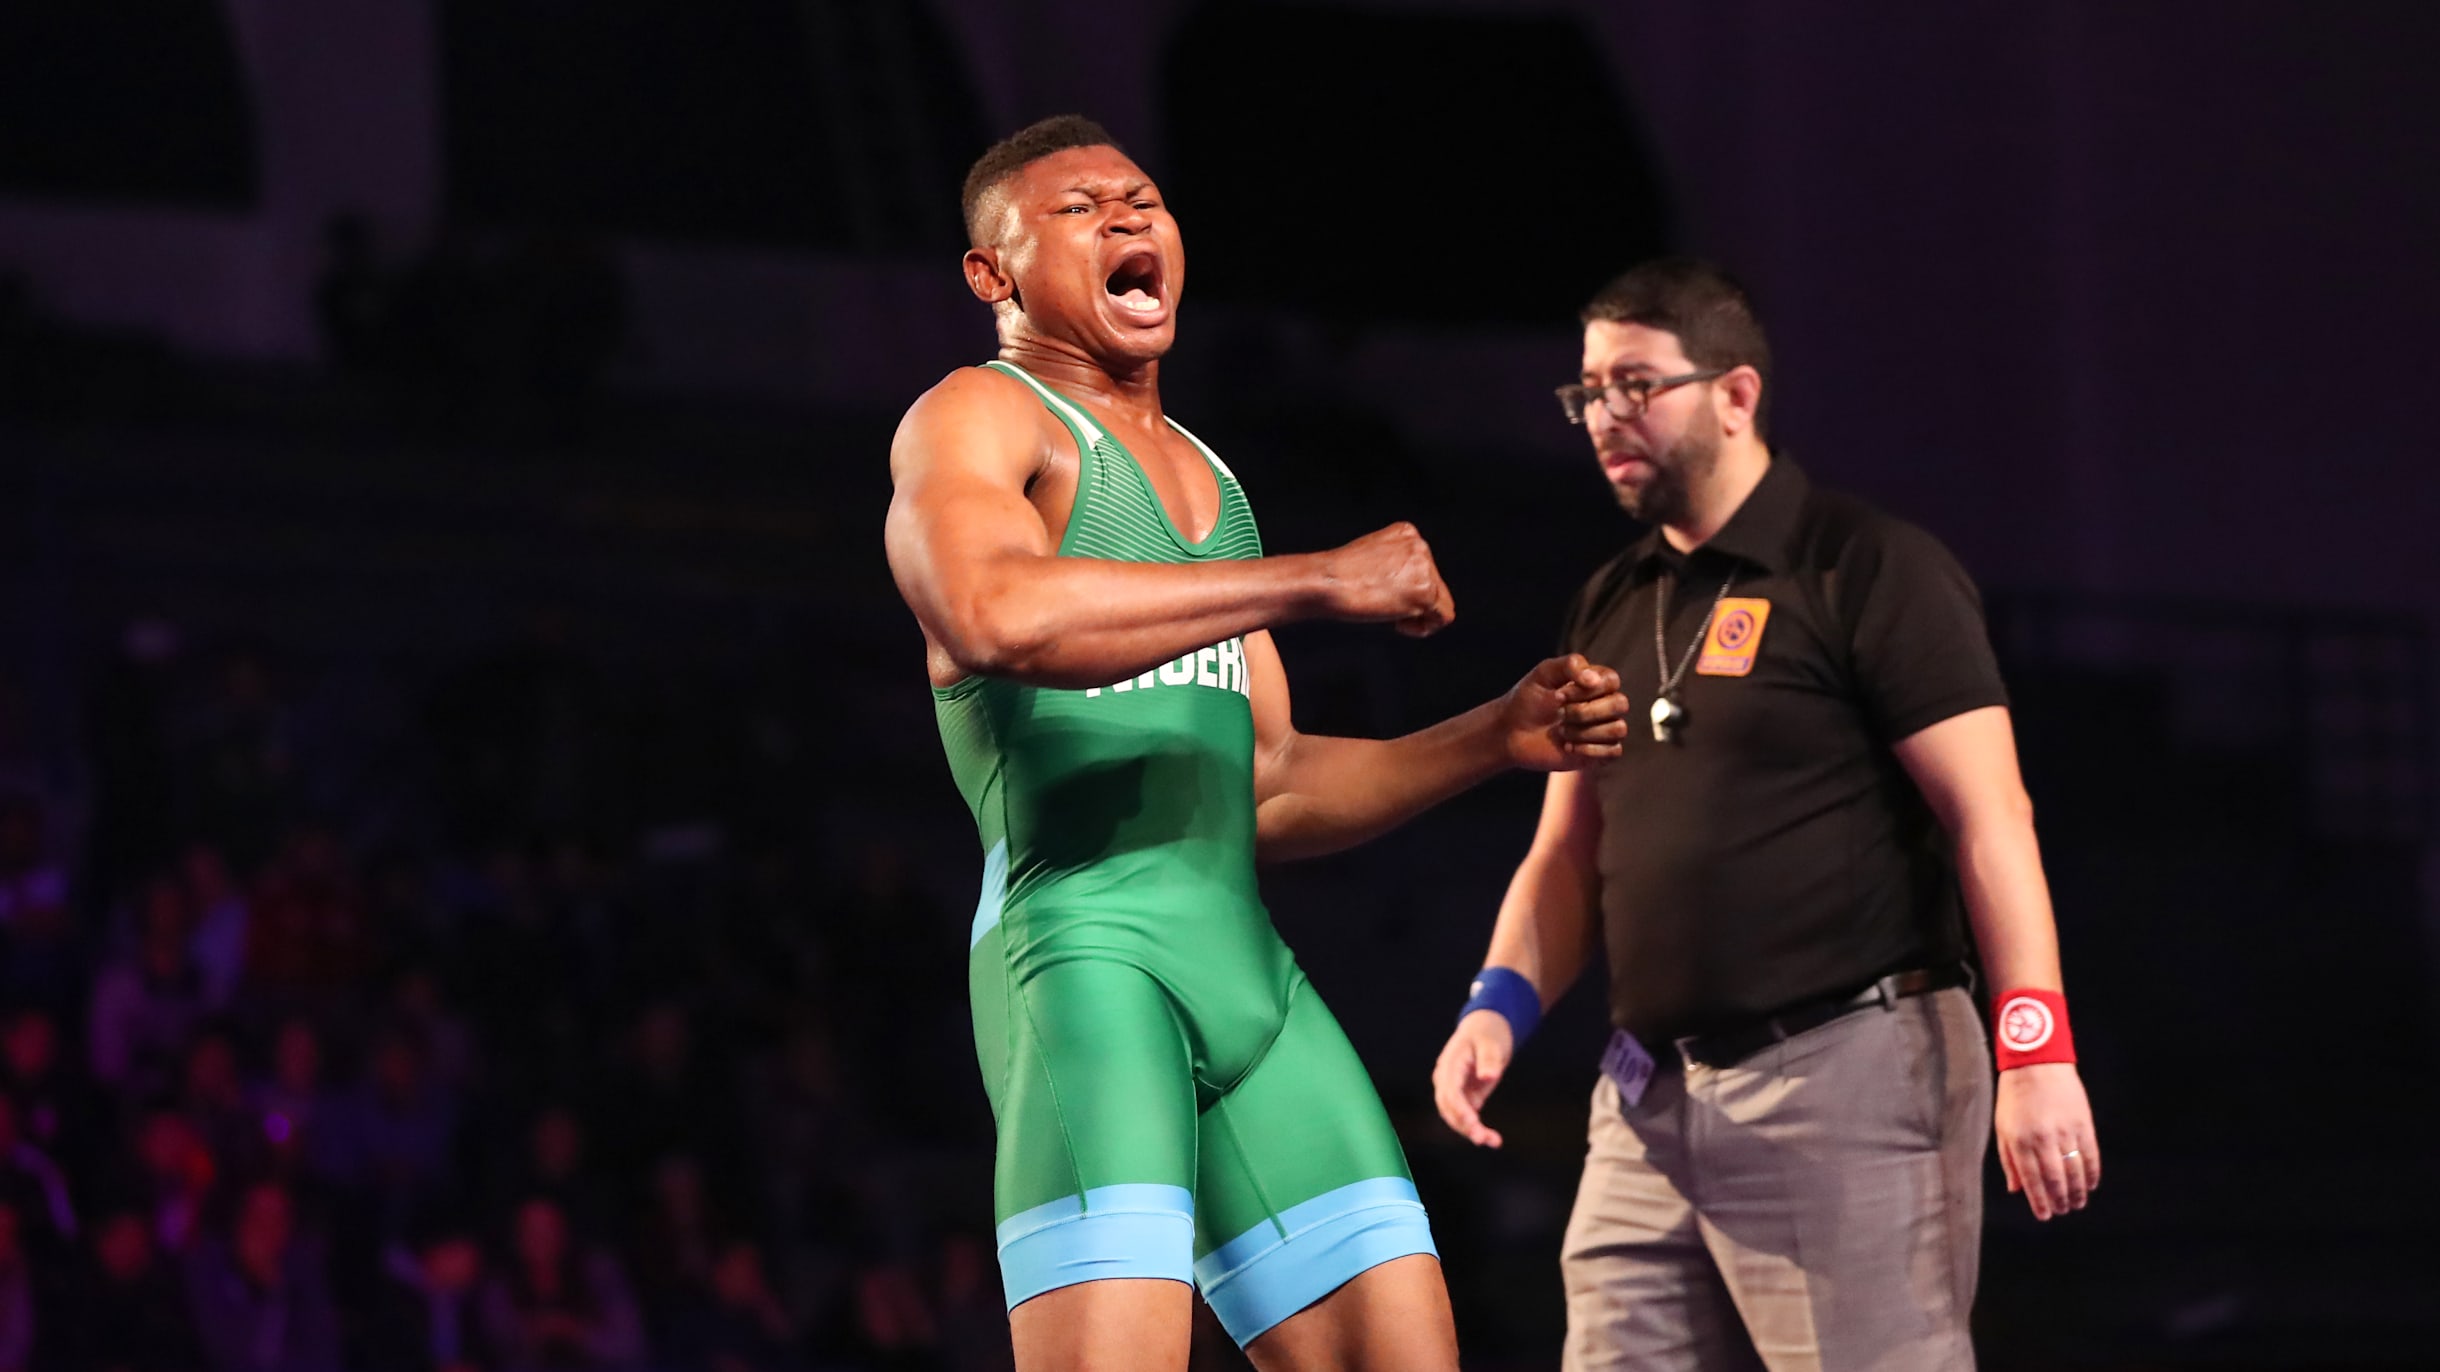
1469,1067
2047,1146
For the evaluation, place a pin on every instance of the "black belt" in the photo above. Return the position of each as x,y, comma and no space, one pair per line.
1732,1046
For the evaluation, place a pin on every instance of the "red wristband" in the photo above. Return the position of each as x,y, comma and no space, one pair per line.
2030,1026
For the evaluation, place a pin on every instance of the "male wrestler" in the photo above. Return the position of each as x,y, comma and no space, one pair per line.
1174,1104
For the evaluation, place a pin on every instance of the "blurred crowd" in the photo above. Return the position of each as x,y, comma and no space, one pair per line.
498,1073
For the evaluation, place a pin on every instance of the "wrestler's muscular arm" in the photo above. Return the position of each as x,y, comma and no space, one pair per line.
1316,793
976,562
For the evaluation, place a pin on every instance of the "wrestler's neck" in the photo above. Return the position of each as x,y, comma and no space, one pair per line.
1128,386
1714,501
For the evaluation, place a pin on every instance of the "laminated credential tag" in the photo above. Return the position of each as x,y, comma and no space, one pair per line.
1627,1066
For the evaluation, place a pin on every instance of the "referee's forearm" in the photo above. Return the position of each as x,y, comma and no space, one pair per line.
1999,865
1545,928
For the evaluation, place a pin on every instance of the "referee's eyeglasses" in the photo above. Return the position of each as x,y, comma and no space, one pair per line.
1629,398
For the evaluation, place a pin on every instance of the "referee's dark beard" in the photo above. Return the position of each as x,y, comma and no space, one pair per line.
1663,499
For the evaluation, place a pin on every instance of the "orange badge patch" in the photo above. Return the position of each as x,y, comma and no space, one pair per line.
1736,636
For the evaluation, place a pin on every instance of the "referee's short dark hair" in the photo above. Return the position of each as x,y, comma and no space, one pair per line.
1012,154
1709,311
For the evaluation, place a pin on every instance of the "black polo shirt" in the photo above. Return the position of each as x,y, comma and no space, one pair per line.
1774,850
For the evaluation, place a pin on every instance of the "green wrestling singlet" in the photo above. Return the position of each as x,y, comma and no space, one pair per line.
1172,1099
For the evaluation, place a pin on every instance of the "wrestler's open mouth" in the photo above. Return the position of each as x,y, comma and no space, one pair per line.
1135,285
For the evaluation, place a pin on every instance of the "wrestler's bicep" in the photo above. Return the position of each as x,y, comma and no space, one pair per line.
958,514
1266,680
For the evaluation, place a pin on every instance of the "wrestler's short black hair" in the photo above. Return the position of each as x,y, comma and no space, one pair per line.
1709,311
1027,145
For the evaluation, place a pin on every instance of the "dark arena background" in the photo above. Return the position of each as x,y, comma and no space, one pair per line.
469,800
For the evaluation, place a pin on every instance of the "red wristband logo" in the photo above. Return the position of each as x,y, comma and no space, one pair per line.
2029,1027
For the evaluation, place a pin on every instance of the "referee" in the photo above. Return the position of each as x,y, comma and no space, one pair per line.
1818,798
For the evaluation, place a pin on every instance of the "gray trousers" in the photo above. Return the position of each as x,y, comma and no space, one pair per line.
1815,1208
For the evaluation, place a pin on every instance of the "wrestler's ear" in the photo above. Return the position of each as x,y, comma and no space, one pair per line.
989,281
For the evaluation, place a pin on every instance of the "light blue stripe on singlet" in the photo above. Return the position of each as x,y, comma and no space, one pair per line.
1260,1278
1137,1229
995,893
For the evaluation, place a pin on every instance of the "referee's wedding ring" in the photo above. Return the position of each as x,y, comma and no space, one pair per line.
2071,1153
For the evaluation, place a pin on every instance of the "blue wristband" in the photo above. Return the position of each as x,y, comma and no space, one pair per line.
1511,995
